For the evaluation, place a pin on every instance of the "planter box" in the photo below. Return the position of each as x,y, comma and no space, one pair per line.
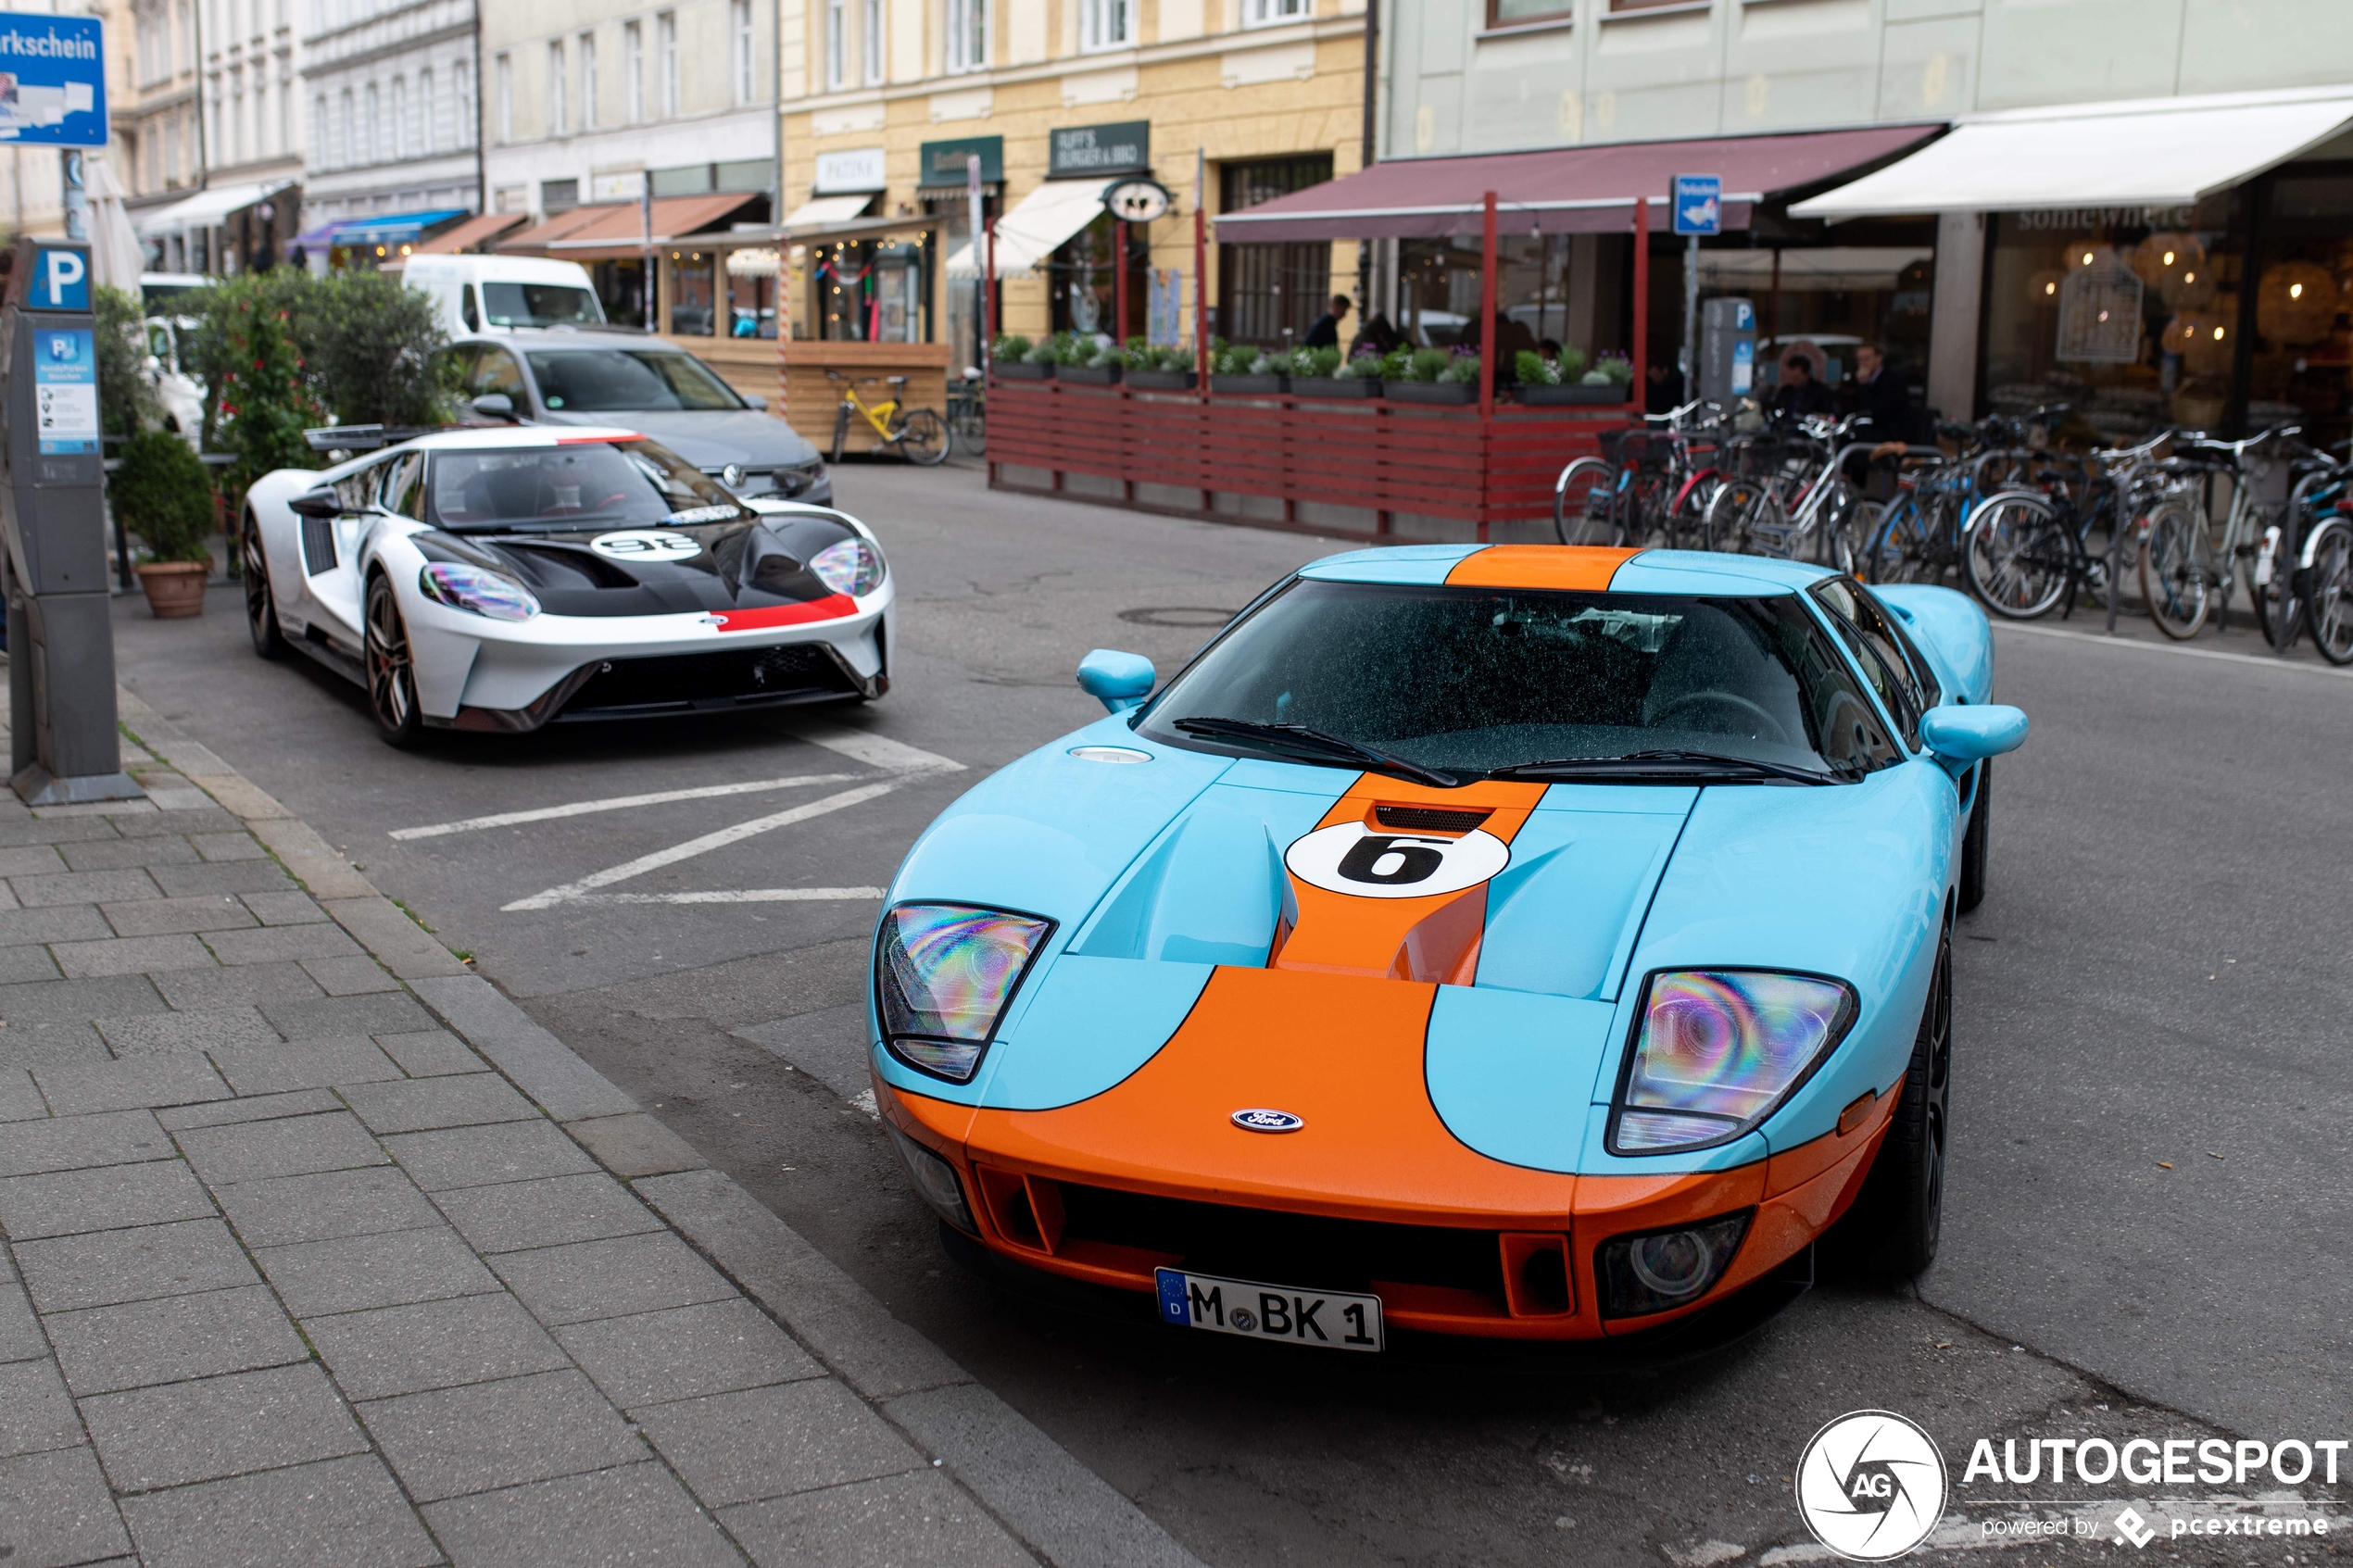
1016,369
174,588
1539,395
1088,375
1161,381
1431,392
1334,386
1261,384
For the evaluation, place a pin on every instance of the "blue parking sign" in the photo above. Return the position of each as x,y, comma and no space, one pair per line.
1699,203
53,81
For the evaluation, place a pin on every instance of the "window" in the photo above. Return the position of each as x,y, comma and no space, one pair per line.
1270,293
587,81
837,45
541,304
400,117
693,311
1265,13
237,120
1510,13
285,106
1103,24
556,121
870,37
372,131
740,60
632,66
967,36
348,148
627,380
1893,667
463,103
506,68
318,147
187,39
558,195
666,42
428,115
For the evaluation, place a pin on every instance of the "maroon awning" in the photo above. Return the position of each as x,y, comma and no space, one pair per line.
1563,190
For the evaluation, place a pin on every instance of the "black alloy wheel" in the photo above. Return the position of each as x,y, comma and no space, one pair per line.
1911,1162
392,683
261,606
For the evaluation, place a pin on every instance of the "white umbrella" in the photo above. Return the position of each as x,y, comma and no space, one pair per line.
115,253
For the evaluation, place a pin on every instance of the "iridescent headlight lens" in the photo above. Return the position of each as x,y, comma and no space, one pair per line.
943,973
1718,1050
471,587
852,567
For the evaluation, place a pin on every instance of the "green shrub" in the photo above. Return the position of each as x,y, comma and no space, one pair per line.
163,495
1009,346
1397,364
1039,353
1615,369
1533,370
1105,357
1462,369
1365,367
1322,362
1427,364
1175,357
126,401
1071,348
1232,359
1572,362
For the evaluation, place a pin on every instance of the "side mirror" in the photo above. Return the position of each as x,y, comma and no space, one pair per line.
322,502
1963,735
494,406
755,399
1118,681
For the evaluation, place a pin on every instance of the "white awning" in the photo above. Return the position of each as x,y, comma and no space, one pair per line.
823,211
1034,228
2154,152
205,208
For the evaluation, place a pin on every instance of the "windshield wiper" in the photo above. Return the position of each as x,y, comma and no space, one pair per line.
1663,764
1308,741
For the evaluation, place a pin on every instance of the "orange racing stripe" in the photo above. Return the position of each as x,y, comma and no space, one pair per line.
1587,567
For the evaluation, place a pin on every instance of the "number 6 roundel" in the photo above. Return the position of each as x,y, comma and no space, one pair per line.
1351,859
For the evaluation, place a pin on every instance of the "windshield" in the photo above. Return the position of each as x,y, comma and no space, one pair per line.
578,485
1475,681
627,381
540,304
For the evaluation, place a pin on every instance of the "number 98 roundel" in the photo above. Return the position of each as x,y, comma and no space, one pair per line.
1351,858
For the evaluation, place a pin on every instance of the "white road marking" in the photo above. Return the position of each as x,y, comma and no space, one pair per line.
733,896
617,803
877,751
695,846
2263,659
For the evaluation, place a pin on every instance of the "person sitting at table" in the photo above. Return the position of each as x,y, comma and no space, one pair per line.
1799,393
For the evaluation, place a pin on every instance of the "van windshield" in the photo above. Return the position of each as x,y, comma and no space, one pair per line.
588,381
540,304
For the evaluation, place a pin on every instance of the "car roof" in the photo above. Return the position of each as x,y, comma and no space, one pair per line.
1585,568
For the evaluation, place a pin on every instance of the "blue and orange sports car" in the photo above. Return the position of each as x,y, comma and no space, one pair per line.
1527,942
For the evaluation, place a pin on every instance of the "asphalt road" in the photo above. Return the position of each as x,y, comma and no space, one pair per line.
2147,1224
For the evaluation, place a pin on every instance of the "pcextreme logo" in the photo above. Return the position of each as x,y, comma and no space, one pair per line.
1872,1485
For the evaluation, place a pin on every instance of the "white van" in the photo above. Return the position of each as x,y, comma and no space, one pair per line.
479,295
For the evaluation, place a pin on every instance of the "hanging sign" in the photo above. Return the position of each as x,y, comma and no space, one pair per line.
1137,201
1699,203
53,81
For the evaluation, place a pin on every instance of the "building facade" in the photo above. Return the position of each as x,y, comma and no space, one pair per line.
158,146
886,101
389,106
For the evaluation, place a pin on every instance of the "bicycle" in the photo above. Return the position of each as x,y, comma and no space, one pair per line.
2185,575
968,414
2026,548
919,435
1649,487
2320,591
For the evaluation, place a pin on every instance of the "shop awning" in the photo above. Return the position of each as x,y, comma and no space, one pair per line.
382,228
206,208
619,231
1036,228
1561,190
821,210
535,240
2155,152
479,229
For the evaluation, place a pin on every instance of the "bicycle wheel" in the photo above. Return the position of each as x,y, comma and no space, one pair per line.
1687,519
1741,511
972,430
1836,526
2015,556
1896,547
841,430
2329,592
2177,572
922,439
1584,503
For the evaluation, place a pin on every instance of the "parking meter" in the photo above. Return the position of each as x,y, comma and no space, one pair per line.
61,697
1727,350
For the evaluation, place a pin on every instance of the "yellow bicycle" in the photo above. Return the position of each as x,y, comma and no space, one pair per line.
919,435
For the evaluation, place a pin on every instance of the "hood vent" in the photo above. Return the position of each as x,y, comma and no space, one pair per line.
1429,819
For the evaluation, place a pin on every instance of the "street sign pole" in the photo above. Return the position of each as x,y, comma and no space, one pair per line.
1699,209
76,195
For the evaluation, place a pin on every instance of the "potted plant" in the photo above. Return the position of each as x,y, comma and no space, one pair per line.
1322,374
163,495
1013,357
1090,364
1437,375
1240,368
1551,382
1167,367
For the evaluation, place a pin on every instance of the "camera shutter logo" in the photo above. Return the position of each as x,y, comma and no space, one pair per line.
1872,1485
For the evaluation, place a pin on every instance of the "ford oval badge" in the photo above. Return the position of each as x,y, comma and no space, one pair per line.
1262,1120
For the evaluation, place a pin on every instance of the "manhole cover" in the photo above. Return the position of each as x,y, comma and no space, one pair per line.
1180,615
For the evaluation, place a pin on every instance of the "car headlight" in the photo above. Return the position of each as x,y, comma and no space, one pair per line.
1717,1053
470,587
852,567
943,976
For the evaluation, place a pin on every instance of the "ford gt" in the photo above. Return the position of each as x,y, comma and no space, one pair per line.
1537,942
505,579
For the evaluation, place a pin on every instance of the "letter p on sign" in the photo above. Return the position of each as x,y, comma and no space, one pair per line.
63,283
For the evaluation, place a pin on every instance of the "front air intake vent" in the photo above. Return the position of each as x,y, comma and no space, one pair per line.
1429,819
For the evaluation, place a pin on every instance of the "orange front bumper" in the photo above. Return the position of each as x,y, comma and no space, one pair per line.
1106,1190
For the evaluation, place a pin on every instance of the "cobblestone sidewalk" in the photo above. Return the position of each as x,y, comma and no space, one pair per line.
320,1253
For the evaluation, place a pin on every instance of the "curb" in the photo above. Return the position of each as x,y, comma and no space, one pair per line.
1064,1513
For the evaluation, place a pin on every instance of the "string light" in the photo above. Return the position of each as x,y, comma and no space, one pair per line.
2169,258
2296,291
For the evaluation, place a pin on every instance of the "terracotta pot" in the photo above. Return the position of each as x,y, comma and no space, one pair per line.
175,588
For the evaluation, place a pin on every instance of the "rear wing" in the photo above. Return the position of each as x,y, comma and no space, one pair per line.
363,438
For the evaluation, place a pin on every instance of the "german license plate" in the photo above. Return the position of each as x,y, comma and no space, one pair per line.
1328,1319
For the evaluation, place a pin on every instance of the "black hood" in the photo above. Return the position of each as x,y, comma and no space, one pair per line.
742,564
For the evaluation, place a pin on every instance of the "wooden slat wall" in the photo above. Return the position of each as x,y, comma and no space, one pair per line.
749,365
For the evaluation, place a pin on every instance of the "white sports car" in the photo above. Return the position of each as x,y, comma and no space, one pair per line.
506,579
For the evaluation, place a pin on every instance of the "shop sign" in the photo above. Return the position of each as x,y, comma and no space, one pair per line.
854,171
943,162
2074,218
2099,315
1075,150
